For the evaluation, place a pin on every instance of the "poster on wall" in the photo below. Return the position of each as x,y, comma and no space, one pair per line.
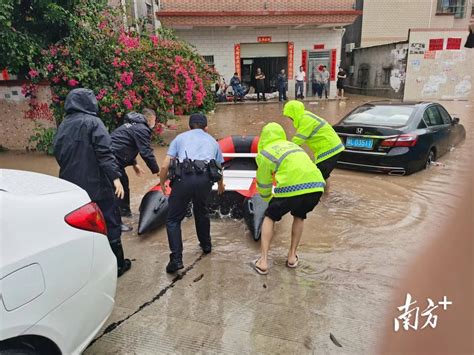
237,58
417,48
291,58
430,55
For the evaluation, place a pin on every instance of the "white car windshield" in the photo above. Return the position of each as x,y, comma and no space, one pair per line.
392,116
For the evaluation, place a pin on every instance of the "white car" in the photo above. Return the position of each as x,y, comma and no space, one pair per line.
58,274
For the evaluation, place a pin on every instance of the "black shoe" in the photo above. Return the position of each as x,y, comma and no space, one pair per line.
126,228
127,265
206,249
174,265
125,213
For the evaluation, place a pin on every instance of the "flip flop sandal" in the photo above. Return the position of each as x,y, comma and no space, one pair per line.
259,270
294,265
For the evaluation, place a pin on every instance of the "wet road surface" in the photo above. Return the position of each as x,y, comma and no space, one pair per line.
354,248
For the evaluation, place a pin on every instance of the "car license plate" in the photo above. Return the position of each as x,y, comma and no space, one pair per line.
356,142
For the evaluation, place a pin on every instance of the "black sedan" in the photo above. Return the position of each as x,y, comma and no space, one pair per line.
397,138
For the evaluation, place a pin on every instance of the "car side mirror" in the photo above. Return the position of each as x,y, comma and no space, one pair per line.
456,120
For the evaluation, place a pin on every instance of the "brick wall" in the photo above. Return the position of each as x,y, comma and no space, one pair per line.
255,5
16,125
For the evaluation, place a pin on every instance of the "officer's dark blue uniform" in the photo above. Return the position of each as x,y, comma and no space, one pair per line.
198,146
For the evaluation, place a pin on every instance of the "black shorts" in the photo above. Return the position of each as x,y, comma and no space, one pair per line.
340,85
299,206
328,165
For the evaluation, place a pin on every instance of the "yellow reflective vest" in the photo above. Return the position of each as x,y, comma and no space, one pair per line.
285,163
314,131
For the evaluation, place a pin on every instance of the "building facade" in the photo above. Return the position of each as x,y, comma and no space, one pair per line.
388,21
271,35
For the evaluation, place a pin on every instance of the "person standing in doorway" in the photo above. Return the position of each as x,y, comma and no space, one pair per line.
325,81
260,86
299,86
193,157
341,76
315,79
236,85
82,147
282,86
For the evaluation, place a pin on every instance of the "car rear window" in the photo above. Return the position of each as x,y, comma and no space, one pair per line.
391,116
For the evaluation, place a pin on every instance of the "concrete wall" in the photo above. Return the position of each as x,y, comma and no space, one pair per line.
219,42
379,71
16,117
387,21
442,74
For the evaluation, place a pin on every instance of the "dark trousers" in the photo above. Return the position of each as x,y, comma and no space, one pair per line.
282,93
111,212
124,204
195,188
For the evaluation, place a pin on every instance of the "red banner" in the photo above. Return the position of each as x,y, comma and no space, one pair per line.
453,43
264,39
5,74
318,46
291,59
304,57
436,44
237,58
333,64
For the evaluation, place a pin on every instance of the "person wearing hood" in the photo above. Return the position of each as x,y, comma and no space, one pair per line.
287,178
317,134
129,140
82,150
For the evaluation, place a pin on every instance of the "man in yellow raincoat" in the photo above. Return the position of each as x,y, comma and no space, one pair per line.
298,188
317,134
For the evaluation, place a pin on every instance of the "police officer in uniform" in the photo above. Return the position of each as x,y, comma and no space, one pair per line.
130,139
193,161
317,134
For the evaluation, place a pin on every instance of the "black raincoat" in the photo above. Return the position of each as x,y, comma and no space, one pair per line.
82,147
134,137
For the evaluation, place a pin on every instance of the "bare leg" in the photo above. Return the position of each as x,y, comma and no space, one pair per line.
342,93
267,235
296,232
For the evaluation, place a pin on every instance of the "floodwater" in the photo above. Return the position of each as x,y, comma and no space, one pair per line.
355,247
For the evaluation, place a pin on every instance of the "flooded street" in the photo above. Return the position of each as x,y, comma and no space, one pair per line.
354,249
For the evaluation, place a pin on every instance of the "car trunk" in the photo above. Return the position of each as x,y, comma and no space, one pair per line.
365,138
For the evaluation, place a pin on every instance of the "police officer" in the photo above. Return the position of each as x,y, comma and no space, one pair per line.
134,137
193,155
317,133
299,186
82,149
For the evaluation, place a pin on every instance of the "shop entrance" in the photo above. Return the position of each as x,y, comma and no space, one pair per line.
270,57
316,59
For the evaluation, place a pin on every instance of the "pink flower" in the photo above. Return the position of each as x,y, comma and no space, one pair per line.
33,73
169,100
127,103
72,82
53,51
56,79
102,25
78,62
101,94
118,86
154,39
128,41
65,52
50,67
127,78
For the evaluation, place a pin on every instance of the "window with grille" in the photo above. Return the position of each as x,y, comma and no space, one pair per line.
455,7
209,59
387,72
149,11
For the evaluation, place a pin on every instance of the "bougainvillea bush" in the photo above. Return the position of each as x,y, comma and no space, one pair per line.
126,70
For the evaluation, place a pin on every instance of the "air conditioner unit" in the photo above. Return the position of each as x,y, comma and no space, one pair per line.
351,69
350,47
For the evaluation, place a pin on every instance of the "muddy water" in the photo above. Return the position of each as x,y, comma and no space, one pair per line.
355,244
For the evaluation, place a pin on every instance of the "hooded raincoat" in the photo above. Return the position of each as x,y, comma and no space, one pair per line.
82,147
285,163
314,131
